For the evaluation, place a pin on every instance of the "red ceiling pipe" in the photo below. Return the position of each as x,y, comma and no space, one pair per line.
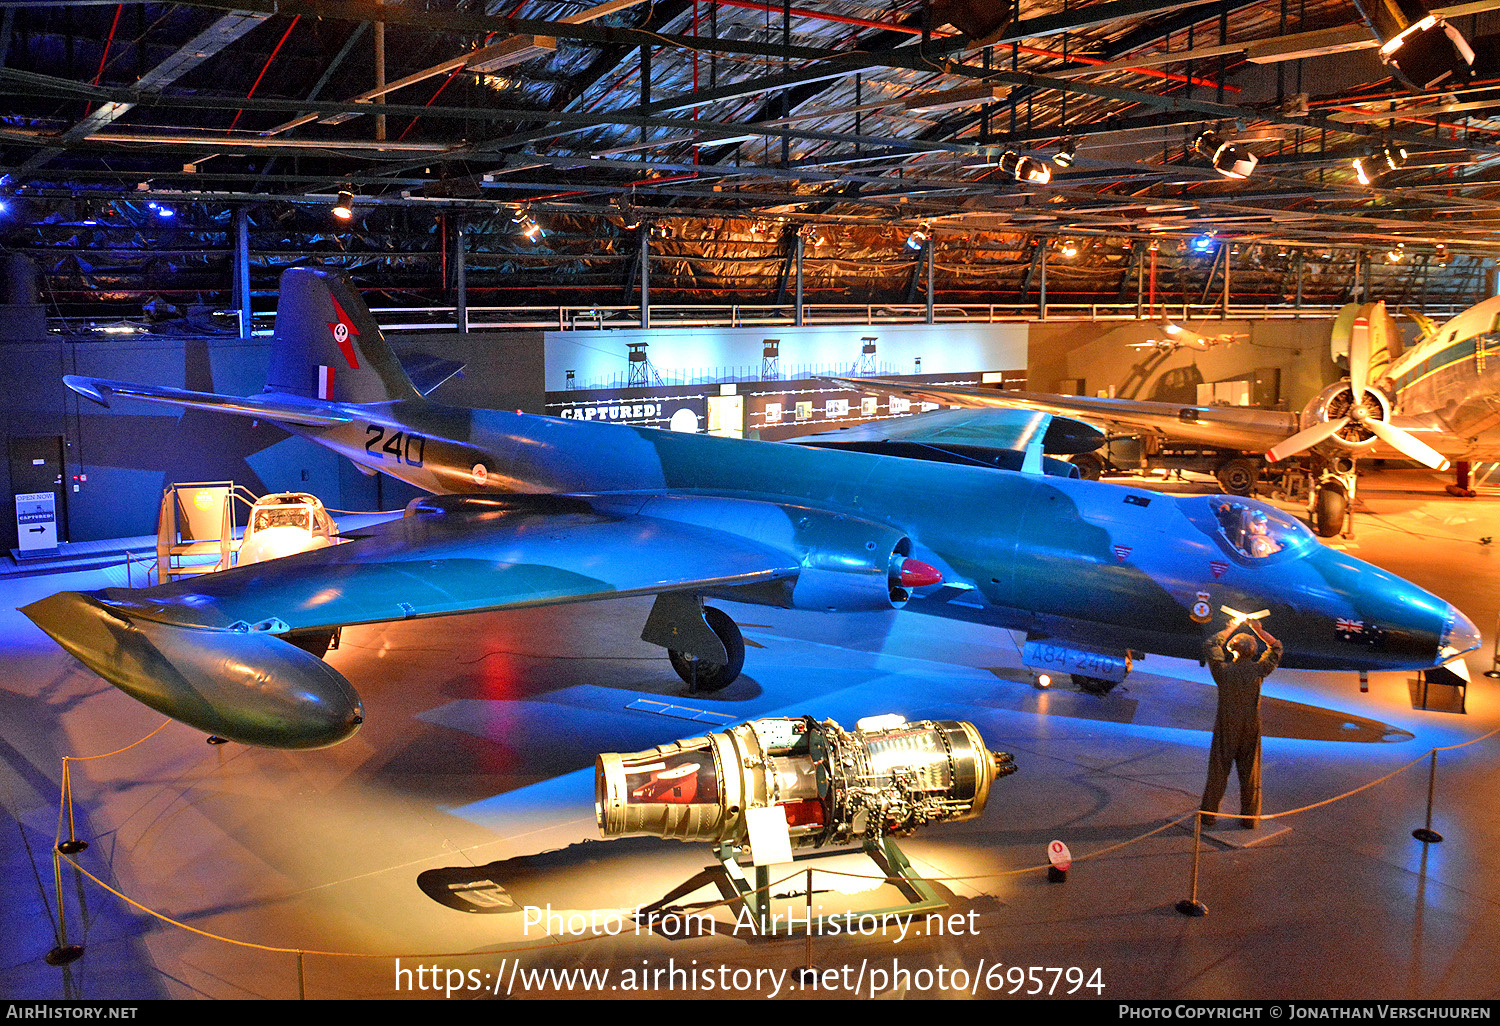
264,68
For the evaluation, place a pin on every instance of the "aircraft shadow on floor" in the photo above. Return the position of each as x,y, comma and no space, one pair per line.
1186,705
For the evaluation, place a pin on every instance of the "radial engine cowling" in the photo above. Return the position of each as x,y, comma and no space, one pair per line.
834,786
1337,401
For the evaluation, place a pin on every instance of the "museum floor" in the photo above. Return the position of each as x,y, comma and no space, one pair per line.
478,752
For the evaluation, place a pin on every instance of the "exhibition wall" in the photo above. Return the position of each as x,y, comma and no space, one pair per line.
1099,355
118,460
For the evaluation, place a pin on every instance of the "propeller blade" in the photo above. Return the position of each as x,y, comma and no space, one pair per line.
1305,439
1408,444
1359,357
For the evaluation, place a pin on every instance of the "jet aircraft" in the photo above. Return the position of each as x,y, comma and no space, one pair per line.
532,510
1437,403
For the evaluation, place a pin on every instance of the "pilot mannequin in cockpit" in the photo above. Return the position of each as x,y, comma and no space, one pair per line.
1238,673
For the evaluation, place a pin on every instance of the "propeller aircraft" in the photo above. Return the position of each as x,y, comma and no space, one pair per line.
1437,403
531,510
1179,337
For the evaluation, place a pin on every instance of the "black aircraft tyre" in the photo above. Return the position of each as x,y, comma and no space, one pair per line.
1238,477
1328,513
705,676
1093,685
1090,465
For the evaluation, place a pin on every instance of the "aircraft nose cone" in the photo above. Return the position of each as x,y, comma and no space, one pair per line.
1459,635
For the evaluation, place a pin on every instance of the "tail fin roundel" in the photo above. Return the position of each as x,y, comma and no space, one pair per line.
327,344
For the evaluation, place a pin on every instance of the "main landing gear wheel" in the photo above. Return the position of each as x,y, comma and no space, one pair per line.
1329,511
1093,685
1090,465
705,676
1238,477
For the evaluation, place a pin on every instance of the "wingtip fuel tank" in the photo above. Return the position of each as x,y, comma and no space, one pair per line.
248,686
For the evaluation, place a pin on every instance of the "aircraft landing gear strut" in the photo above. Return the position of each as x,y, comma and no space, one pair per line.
1330,498
703,644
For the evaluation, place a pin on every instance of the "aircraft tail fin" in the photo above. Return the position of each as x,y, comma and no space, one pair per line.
327,344
1425,324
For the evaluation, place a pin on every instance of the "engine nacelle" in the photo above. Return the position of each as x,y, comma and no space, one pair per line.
848,564
1336,401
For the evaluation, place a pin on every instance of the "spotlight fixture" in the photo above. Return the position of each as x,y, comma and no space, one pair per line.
1067,152
1393,154
629,216
343,207
812,236
161,210
1068,248
917,239
1203,243
1426,51
1025,169
1229,159
1396,255
528,228
1363,170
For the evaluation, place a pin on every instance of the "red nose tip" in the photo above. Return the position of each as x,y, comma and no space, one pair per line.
917,574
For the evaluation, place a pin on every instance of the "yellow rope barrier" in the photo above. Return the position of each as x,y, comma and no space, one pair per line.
66,803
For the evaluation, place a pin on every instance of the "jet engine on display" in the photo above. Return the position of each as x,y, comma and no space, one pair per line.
885,778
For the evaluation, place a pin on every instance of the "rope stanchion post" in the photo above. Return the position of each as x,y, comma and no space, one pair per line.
1425,833
64,953
1494,670
72,846
1191,906
808,973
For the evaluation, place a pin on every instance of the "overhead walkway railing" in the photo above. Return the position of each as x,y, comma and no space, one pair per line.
751,315
593,318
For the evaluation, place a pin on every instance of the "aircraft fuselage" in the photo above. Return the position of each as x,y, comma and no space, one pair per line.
1105,565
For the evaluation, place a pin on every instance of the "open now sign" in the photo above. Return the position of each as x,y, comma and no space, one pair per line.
36,520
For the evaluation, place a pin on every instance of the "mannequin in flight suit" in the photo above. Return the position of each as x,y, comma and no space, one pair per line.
1238,673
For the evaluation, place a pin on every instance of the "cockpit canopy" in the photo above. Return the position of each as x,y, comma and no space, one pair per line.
1248,528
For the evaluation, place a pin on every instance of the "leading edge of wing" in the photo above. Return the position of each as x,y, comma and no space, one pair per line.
1174,419
438,563
286,408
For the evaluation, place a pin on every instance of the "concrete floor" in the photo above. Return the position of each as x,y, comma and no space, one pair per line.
475,764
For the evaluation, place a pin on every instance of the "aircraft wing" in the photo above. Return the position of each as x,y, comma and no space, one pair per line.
1229,427
206,650
272,406
548,550
989,428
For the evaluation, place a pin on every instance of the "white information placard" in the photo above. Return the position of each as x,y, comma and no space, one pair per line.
36,520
